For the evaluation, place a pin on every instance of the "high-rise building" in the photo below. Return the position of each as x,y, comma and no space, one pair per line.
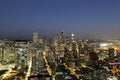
56,42
21,54
93,56
62,39
35,37
1,51
37,60
111,52
72,37
102,55
45,43
67,44
6,52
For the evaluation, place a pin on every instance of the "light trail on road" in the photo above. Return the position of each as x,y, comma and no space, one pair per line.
8,72
48,67
29,69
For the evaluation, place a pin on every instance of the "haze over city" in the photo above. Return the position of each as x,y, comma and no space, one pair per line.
85,18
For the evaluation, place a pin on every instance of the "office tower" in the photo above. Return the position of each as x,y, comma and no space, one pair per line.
86,56
35,37
41,41
93,56
21,54
74,46
62,39
6,55
6,52
72,37
1,54
56,42
111,52
67,44
67,57
37,59
1,51
80,46
45,43
50,54
73,42
102,55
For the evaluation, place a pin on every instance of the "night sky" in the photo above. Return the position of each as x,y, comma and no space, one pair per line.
85,18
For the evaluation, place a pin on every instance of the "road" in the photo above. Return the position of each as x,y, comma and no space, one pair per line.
29,69
8,73
71,70
48,67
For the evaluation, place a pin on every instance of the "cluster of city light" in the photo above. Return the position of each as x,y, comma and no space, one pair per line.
39,56
104,44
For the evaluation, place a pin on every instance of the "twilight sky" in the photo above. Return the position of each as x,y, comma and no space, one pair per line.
84,18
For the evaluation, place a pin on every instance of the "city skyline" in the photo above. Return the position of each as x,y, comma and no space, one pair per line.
61,58
86,19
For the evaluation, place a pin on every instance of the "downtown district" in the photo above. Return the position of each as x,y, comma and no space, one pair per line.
62,58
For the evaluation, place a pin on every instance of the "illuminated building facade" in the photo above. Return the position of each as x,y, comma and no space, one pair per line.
1,51
35,37
21,54
6,52
37,59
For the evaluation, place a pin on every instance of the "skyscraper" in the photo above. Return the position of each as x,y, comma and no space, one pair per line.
56,42
62,40
35,37
111,52
21,54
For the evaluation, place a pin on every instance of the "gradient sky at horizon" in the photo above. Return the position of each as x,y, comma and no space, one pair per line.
85,18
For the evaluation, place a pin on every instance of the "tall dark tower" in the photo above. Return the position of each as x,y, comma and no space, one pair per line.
93,56
62,39
111,52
